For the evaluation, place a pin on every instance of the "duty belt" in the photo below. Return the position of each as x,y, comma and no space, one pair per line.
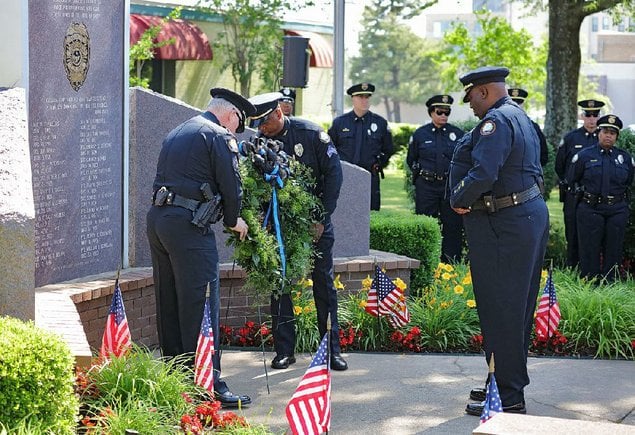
592,199
430,176
166,197
492,204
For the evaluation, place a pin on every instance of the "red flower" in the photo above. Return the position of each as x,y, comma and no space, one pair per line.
191,425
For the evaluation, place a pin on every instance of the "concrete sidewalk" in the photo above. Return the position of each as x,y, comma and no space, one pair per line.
426,394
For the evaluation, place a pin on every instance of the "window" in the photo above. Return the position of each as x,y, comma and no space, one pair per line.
594,23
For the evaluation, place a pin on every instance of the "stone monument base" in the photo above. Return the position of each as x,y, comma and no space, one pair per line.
510,424
77,309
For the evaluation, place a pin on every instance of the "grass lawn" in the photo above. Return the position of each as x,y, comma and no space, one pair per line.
394,198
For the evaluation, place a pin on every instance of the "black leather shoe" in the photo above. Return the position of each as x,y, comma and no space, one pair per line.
338,363
478,394
477,408
282,361
231,400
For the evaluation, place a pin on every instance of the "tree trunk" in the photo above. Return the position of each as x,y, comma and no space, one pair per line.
387,108
397,111
563,68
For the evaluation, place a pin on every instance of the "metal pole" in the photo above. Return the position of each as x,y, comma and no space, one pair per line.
338,68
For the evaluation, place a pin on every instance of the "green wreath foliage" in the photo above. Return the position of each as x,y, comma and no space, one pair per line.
298,211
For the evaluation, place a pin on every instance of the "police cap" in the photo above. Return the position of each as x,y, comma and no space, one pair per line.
264,104
361,89
481,76
440,100
518,95
592,106
241,103
610,121
288,95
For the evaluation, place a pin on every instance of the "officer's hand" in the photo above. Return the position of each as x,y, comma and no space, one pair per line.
241,228
459,210
375,168
318,229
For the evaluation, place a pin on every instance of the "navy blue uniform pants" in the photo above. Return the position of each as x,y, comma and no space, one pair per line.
430,200
506,252
601,232
375,194
324,294
184,260
570,232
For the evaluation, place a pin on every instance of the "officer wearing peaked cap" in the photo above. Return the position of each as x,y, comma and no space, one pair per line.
312,147
604,175
495,182
429,153
572,143
287,101
519,96
198,163
363,138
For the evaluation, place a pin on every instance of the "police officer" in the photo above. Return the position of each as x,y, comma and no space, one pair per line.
429,153
495,182
198,161
312,147
519,96
604,174
363,138
287,101
573,142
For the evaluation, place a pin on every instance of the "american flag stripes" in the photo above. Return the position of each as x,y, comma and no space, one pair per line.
492,404
385,298
203,364
548,313
309,410
116,339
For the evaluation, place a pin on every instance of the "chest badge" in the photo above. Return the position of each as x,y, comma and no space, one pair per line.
324,137
298,149
373,127
488,128
452,136
232,145
620,159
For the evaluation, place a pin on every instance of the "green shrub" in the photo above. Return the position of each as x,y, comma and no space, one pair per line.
36,366
401,133
597,318
626,142
415,236
557,245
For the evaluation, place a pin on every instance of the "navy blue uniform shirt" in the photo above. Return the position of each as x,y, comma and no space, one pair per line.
375,136
500,157
201,151
312,147
433,147
572,143
588,170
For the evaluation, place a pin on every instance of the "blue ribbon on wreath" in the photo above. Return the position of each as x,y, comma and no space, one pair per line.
276,182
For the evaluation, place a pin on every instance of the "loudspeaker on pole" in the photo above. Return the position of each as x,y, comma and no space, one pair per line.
295,62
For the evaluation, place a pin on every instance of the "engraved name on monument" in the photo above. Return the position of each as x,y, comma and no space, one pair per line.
76,135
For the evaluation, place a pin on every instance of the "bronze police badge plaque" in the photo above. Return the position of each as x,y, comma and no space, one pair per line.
76,54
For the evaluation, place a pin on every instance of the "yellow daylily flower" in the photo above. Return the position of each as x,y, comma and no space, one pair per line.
467,280
444,305
446,276
367,283
297,310
337,283
449,268
362,304
307,309
544,274
471,303
400,284
458,289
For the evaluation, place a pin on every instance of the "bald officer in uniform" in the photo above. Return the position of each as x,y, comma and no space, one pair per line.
519,96
430,150
495,183
311,146
197,162
604,175
572,143
363,138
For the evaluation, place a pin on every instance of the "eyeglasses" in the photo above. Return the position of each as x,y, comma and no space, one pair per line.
440,112
241,122
259,122
591,114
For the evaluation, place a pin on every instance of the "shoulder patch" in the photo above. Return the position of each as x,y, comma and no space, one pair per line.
633,161
324,137
488,128
232,145
575,158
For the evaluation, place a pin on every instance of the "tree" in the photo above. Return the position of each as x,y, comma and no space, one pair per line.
498,44
251,42
394,59
563,62
143,50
